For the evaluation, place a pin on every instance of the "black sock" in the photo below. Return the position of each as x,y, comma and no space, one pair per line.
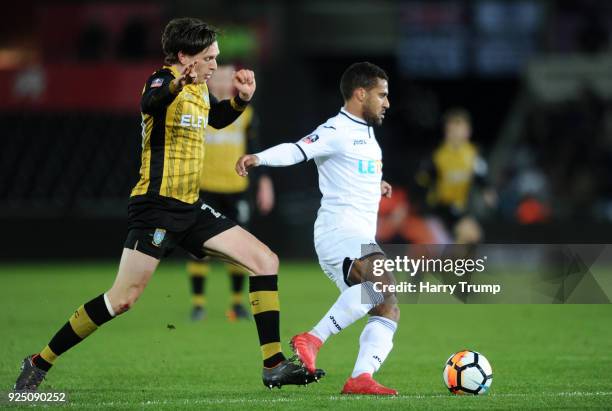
263,296
198,270
198,287
237,286
85,320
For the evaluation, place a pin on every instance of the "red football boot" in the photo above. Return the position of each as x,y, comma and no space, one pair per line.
306,346
364,384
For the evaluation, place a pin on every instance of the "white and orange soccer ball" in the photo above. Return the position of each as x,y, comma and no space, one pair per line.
468,372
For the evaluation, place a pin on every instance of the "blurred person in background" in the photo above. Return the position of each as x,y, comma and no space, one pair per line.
449,176
400,222
227,192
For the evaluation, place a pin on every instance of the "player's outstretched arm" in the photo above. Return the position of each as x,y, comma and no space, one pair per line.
282,155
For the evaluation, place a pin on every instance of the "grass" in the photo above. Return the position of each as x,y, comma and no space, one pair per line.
543,356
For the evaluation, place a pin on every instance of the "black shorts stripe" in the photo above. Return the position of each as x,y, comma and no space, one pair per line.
157,143
346,270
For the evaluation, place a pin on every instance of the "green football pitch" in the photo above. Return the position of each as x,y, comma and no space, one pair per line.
543,356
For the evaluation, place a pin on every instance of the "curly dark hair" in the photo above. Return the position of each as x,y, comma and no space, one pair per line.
360,75
188,35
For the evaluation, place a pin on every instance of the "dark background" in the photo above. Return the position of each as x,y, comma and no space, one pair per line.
535,75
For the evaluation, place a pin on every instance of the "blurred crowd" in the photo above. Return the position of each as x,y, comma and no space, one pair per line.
551,162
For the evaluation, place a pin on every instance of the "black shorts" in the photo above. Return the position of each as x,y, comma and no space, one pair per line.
235,206
159,241
449,216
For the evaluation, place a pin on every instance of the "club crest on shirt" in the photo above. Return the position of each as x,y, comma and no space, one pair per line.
157,82
158,236
310,139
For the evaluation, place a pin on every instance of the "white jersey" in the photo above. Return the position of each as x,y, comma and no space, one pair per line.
349,162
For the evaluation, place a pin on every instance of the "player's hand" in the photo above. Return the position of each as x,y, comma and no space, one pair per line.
265,195
188,76
246,162
244,82
385,189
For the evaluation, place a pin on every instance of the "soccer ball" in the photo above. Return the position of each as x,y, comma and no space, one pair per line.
468,372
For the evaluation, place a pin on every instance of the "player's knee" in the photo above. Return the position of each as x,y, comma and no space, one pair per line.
266,263
122,300
357,273
362,270
125,303
387,310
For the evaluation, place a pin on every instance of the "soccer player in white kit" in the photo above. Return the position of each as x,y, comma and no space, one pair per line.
349,162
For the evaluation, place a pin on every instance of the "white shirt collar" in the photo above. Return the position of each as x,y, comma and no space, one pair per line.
353,117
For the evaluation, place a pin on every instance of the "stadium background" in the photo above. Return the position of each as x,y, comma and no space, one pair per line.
535,76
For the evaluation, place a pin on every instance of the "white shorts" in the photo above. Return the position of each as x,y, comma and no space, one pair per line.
332,250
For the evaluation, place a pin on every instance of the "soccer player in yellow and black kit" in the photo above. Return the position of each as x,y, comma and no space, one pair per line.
449,176
227,192
164,209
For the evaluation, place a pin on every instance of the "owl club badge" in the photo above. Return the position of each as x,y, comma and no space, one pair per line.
158,236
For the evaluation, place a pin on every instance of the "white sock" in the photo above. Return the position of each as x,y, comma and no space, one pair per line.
354,303
109,307
375,344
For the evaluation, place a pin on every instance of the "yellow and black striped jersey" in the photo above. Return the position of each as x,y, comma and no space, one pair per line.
454,169
173,135
223,148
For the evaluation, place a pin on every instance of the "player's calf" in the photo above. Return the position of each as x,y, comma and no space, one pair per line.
390,311
240,247
135,270
376,340
85,320
361,271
